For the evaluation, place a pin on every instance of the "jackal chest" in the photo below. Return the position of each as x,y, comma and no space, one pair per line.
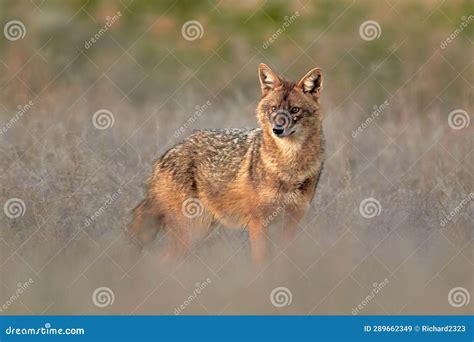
287,194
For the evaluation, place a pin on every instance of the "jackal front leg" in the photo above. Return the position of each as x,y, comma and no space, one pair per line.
258,241
291,220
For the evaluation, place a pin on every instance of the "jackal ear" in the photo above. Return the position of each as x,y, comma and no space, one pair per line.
312,82
268,79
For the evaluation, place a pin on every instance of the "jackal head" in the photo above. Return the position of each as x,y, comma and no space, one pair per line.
289,110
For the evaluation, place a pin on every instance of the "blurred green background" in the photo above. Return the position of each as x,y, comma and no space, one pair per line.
143,54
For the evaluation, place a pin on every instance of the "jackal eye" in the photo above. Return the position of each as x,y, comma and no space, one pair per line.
295,110
274,108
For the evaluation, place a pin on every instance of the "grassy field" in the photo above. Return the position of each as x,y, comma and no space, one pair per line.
93,92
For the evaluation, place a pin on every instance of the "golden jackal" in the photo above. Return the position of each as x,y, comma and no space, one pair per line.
241,177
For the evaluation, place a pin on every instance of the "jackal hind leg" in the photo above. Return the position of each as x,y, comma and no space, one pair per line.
178,239
146,223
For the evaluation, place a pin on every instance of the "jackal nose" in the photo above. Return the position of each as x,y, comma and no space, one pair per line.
278,131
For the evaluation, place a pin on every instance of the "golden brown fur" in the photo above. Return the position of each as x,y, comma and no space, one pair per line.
241,177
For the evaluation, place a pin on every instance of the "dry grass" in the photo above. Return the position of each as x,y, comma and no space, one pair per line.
408,158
